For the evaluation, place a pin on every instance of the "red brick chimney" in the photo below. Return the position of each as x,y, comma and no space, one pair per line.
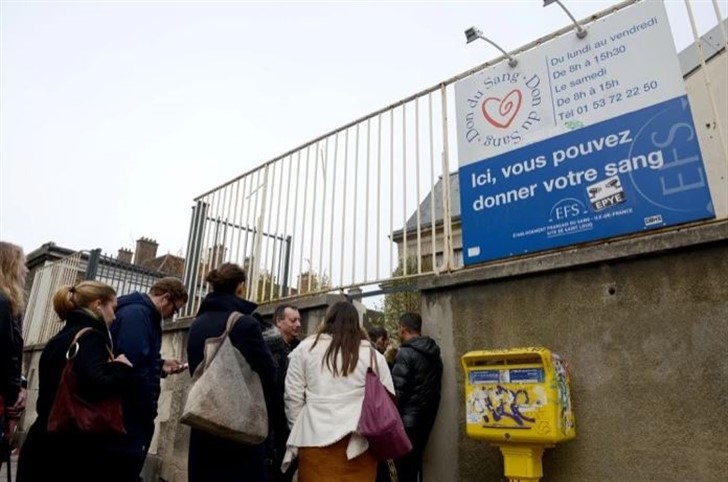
146,249
124,255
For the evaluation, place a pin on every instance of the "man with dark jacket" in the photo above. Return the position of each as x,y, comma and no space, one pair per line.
417,375
137,333
282,339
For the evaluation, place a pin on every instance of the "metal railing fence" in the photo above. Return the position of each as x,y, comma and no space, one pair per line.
345,209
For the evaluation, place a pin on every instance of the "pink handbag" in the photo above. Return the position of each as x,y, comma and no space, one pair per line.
380,422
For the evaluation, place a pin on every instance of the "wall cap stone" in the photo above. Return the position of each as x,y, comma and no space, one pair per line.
604,251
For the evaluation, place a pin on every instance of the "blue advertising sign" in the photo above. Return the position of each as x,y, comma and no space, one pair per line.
585,139
637,171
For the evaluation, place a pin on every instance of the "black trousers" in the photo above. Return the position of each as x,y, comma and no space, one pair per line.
130,463
409,467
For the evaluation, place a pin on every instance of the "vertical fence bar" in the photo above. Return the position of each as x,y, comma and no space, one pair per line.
355,206
266,237
249,226
417,184
324,164
366,203
239,219
295,206
343,209
404,189
254,215
258,238
313,218
278,225
303,212
446,215
333,204
313,214
391,191
433,214
284,292
235,239
227,208
379,190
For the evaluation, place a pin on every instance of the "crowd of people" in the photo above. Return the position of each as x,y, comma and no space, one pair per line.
313,386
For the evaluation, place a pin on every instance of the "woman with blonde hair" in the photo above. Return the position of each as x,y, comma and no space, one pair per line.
324,395
76,455
12,391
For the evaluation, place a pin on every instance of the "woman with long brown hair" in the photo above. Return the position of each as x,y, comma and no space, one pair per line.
72,454
324,395
12,391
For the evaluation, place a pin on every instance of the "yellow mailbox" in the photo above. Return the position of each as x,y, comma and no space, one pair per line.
519,400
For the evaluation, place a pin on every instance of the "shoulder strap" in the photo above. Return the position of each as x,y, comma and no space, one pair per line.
373,364
232,319
73,347
80,333
216,342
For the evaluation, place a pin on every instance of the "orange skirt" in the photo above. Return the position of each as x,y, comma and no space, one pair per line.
329,464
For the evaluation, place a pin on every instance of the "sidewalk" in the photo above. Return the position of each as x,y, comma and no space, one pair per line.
4,471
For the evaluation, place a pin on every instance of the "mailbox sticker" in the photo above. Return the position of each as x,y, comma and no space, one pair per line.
526,375
486,376
513,375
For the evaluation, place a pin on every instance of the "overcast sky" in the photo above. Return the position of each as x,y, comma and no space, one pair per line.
114,115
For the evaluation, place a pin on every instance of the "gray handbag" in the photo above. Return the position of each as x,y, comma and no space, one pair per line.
226,396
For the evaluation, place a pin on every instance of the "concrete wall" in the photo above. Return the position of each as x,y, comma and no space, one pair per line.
644,325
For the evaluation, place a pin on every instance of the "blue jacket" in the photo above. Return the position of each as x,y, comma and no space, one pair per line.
137,333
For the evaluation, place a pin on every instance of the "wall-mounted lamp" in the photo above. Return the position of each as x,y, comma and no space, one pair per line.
473,33
580,31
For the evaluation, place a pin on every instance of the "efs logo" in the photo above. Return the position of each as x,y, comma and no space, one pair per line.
566,209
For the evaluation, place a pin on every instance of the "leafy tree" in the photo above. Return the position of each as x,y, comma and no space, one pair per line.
311,282
268,288
400,302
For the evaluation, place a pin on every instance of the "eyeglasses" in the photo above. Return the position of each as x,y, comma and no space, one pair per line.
175,308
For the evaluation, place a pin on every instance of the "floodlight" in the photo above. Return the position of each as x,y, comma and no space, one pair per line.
473,34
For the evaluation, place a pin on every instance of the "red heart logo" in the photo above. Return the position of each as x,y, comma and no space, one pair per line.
501,112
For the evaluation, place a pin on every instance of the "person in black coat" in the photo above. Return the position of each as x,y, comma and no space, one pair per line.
417,375
75,455
12,390
211,457
282,338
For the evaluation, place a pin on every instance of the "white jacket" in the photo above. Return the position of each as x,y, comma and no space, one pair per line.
323,409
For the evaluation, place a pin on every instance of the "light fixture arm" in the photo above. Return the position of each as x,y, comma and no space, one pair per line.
511,61
473,33
580,31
